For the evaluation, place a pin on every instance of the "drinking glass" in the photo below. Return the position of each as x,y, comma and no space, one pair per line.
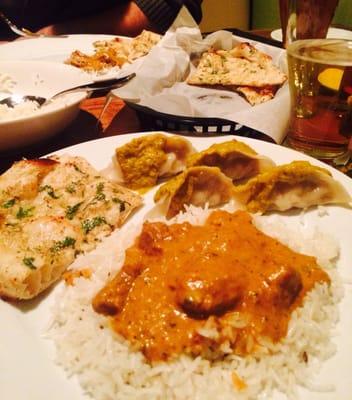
320,79
306,19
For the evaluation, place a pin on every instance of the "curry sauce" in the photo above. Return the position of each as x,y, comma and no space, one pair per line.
225,277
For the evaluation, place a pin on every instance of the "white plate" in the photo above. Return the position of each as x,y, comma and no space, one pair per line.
26,367
333,33
49,49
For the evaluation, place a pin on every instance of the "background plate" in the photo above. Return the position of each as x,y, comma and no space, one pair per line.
49,49
333,33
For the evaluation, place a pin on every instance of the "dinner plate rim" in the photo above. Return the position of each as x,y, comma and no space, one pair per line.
73,41
99,152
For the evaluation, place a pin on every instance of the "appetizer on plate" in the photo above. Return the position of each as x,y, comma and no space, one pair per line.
114,53
295,185
52,209
243,69
142,162
236,160
196,185
279,188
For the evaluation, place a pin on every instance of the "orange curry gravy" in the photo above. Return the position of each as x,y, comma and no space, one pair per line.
225,274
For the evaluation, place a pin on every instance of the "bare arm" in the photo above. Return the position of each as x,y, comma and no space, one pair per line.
127,19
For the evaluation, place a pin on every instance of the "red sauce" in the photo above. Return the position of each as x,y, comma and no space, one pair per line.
179,278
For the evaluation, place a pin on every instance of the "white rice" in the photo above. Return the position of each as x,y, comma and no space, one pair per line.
28,108
21,110
108,369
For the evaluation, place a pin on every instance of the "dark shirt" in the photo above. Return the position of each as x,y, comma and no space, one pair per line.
35,14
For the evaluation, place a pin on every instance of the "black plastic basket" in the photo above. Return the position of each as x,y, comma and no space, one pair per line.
193,126
196,126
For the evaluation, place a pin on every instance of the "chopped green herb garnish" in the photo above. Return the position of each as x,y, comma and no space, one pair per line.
24,212
71,188
77,169
62,244
49,189
89,224
28,262
9,203
100,195
120,202
71,211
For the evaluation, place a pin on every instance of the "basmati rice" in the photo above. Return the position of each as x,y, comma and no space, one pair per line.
20,110
27,108
108,369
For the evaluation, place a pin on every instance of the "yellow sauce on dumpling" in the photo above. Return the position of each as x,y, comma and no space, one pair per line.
295,185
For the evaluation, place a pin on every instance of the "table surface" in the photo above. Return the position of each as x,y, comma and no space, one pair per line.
117,119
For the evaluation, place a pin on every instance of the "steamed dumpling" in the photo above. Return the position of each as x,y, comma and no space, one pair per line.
197,186
236,159
141,162
295,185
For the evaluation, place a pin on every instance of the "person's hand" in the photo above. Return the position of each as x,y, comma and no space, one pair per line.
48,30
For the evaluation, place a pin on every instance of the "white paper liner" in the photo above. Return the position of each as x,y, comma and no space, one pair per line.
160,81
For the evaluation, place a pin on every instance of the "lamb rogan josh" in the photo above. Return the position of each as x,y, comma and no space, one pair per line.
179,280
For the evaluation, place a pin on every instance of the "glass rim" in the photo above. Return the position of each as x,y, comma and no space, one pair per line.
345,44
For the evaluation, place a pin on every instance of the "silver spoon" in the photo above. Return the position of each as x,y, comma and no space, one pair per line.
23,31
16,99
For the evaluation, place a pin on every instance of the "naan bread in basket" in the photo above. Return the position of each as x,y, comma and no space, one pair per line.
243,69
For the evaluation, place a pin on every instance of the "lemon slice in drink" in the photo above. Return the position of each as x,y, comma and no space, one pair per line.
331,78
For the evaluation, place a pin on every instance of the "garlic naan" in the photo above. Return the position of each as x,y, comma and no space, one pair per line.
243,68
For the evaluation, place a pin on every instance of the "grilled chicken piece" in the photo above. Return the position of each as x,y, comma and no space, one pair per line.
35,255
50,210
23,179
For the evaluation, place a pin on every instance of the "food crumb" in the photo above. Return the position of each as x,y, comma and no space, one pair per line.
322,211
238,383
70,275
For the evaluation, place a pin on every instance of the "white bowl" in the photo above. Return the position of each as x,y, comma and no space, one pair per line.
42,79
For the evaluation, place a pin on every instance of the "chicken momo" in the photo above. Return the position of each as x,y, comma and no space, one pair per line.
236,159
141,162
295,185
197,186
